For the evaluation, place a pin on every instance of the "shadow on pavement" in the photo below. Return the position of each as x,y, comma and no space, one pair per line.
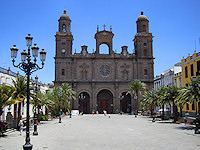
185,128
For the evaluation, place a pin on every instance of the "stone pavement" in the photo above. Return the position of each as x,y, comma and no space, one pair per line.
98,132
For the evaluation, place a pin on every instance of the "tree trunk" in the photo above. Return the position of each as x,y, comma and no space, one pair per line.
15,111
163,112
181,111
174,112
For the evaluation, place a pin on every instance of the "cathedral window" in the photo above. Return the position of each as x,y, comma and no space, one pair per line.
63,71
64,28
145,72
145,52
145,44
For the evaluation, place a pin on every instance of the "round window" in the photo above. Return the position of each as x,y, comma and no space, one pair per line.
104,70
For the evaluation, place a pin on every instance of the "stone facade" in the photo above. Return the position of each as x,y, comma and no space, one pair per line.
101,80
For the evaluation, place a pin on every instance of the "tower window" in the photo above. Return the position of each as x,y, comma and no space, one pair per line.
145,52
64,28
63,71
145,72
145,44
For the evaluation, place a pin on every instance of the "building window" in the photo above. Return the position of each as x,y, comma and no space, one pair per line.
186,72
63,71
198,68
187,106
192,70
145,72
193,106
180,82
145,44
145,52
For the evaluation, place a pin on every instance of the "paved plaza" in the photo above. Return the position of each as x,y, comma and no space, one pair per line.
99,132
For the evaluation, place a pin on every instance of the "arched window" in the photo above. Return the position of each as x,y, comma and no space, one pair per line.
64,28
103,49
145,44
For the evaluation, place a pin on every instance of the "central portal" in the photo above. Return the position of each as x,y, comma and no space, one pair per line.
105,101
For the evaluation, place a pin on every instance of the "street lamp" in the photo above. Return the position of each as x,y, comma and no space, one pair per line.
59,94
121,99
28,67
35,115
153,114
135,98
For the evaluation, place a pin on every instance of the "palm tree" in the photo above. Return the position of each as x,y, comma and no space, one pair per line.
67,93
5,94
19,94
189,95
172,94
149,100
161,93
136,87
185,95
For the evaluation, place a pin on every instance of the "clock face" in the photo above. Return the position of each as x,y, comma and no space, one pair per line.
63,50
104,70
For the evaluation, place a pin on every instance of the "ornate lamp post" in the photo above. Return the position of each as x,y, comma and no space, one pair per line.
28,67
135,98
35,115
59,94
153,114
121,99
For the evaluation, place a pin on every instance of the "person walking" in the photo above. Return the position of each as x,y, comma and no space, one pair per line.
20,126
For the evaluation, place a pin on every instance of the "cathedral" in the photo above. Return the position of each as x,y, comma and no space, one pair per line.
101,80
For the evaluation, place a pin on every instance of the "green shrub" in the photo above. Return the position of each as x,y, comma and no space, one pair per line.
43,118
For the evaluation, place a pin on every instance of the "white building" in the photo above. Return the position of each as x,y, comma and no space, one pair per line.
167,79
6,78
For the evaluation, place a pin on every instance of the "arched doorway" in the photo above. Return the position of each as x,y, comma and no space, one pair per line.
105,101
125,102
84,103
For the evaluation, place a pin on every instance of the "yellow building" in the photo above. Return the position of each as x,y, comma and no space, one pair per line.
190,68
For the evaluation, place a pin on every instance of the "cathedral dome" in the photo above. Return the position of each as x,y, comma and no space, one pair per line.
142,17
64,16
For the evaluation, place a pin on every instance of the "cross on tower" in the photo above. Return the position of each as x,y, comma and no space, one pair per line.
104,26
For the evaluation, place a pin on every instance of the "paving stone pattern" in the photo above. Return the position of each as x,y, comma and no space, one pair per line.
99,132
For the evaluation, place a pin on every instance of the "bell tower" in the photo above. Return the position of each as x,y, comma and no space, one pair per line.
143,39
64,36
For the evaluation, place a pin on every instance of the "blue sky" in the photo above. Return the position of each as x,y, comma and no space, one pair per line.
175,25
